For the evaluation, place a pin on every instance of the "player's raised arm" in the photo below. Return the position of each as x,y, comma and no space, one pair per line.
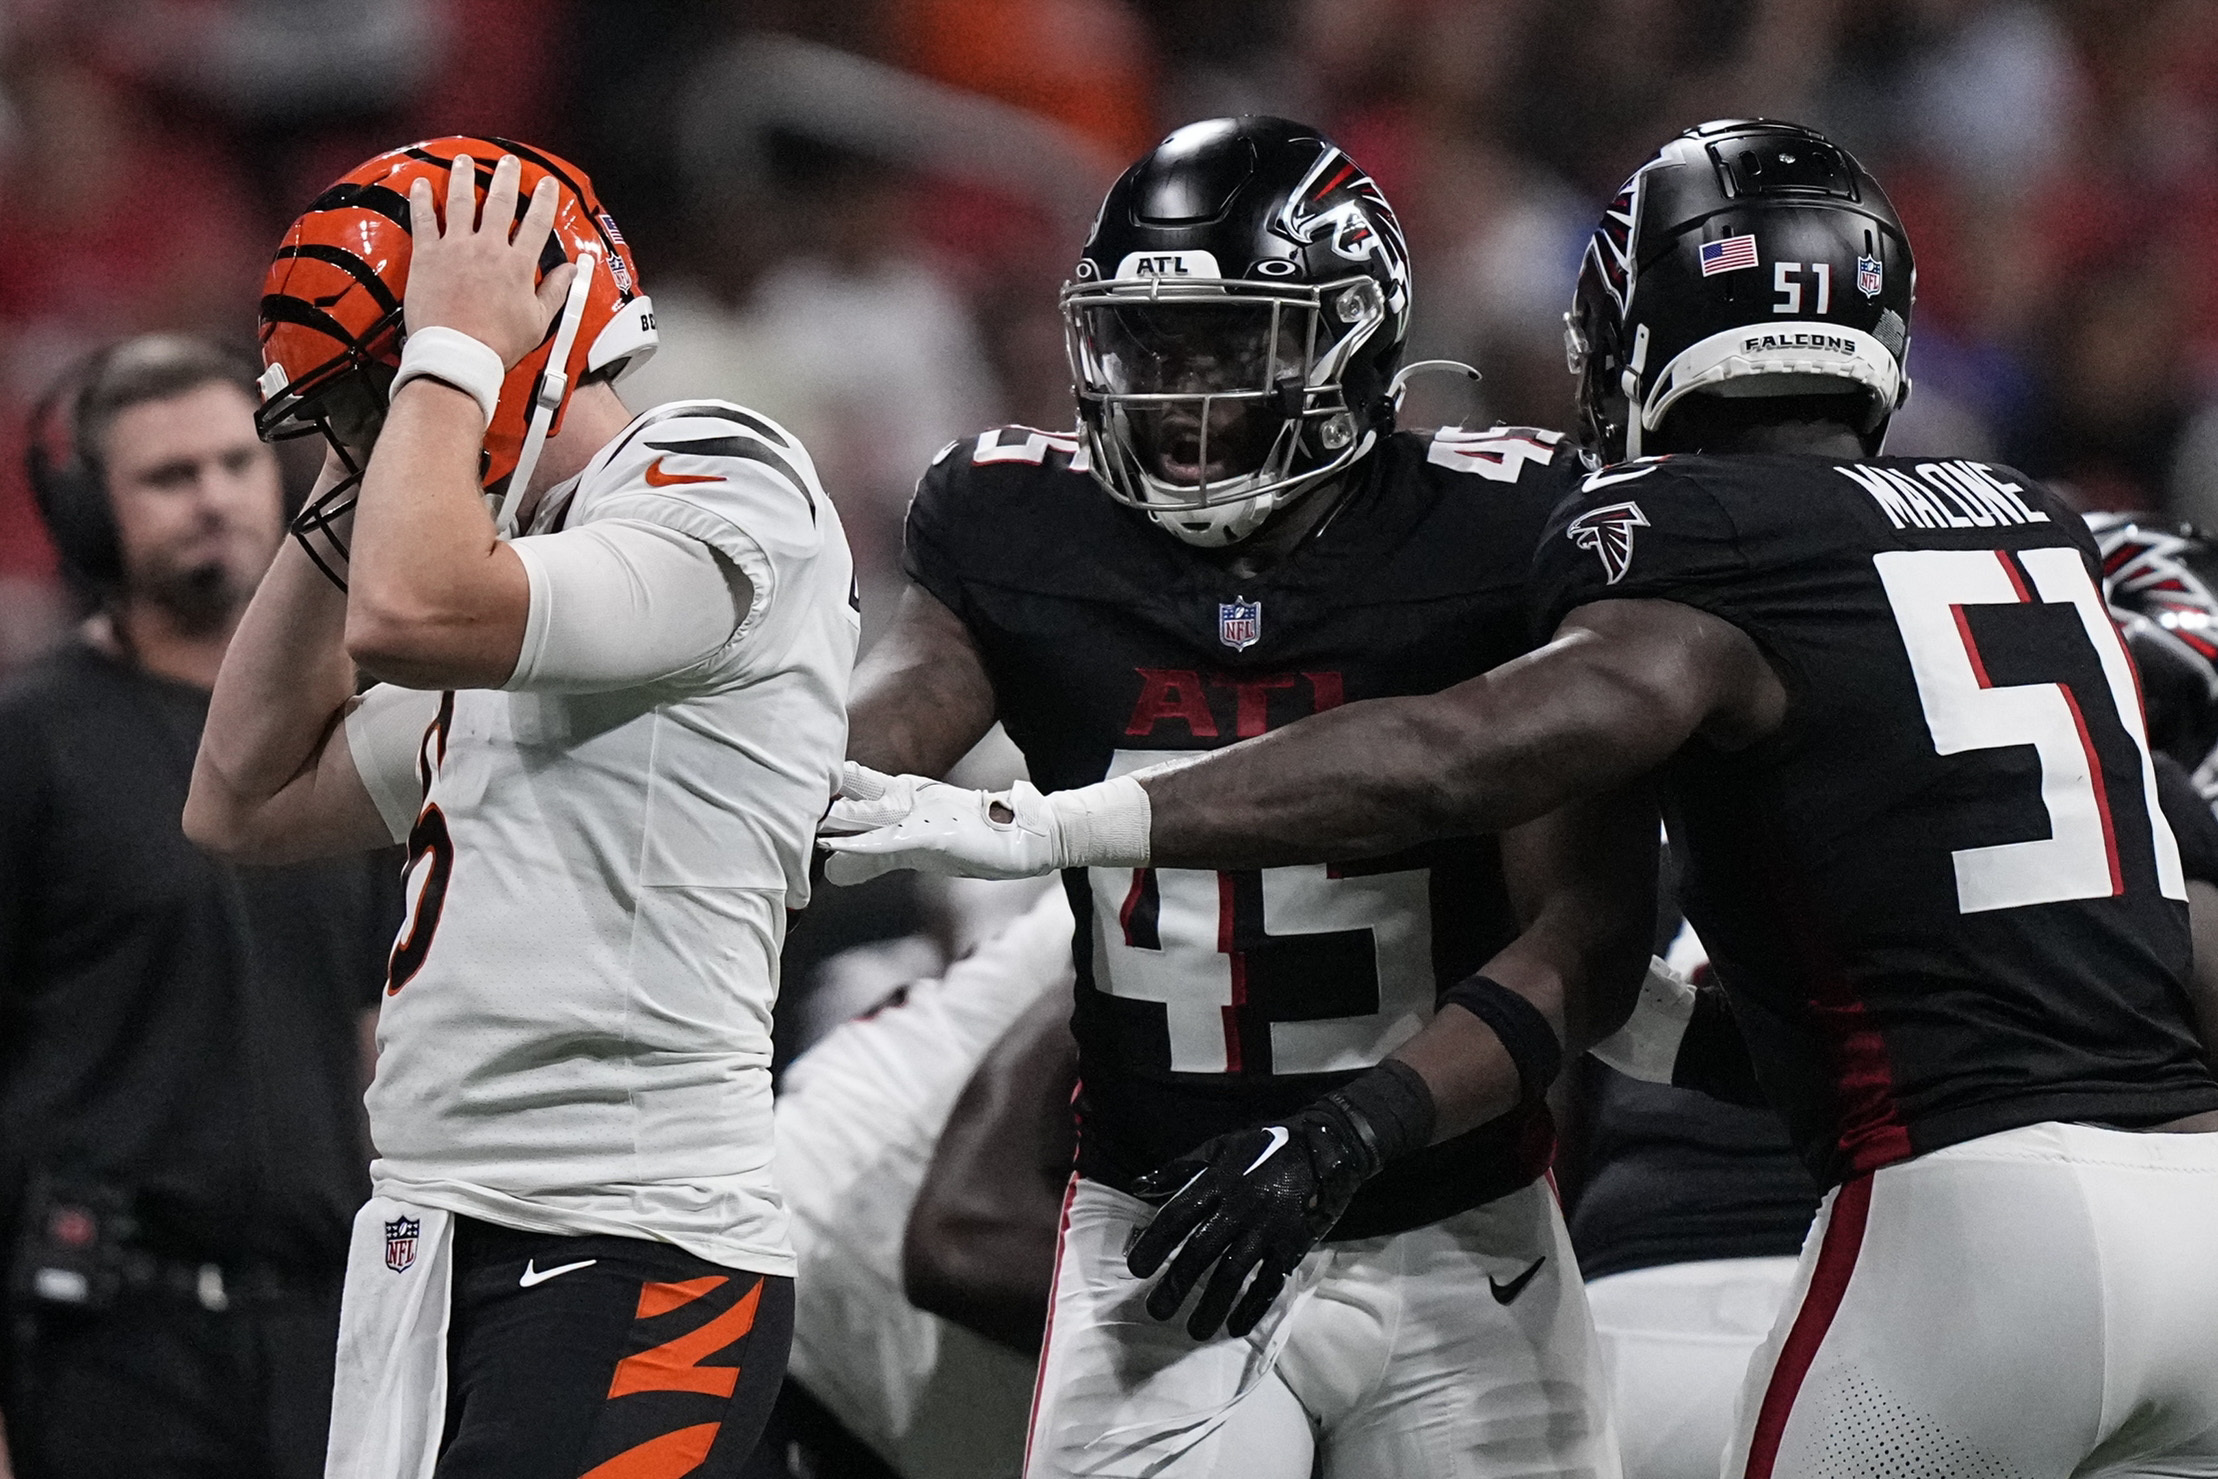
275,780
436,598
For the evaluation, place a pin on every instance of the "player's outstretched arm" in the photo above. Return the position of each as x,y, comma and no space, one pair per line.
921,698
274,780
1621,687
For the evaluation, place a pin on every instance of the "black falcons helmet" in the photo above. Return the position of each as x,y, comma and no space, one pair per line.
2161,580
1748,258
1234,324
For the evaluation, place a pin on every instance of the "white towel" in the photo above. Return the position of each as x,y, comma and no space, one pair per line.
389,1399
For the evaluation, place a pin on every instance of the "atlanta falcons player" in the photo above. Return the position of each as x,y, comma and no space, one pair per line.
1899,741
1237,538
617,651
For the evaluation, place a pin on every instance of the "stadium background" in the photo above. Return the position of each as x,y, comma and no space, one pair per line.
854,213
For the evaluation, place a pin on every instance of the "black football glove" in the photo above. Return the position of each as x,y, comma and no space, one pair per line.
1255,1200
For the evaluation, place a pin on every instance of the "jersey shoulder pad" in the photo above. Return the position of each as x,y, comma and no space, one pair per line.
694,463
1001,462
1502,454
982,491
1631,530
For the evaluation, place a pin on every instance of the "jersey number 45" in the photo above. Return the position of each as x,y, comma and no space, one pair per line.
1194,966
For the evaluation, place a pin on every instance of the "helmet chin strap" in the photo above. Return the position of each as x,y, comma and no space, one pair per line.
548,394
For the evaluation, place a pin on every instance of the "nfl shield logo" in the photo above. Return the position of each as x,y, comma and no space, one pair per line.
400,1243
1868,278
1239,624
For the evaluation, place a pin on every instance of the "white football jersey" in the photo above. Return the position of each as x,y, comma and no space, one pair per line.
575,1036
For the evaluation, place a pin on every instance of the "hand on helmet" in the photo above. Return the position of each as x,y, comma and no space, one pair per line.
1255,1200
478,279
881,823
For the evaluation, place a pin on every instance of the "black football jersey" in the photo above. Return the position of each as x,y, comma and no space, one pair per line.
1208,1002
1674,1176
1943,897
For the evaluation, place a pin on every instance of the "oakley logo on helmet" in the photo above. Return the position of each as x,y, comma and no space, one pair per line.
1608,531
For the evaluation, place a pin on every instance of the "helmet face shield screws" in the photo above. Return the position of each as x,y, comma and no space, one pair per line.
1234,324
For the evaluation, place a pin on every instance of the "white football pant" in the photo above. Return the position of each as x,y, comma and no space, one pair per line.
1676,1340
2034,1304
1394,1355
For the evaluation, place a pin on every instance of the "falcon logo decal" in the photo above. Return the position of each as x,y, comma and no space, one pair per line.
1338,203
2145,567
1609,533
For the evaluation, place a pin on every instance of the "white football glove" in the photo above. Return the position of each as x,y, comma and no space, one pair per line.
881,823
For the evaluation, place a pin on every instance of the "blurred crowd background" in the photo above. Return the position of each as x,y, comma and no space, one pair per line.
854,214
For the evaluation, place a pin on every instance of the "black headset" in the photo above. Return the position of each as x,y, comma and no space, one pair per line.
70,489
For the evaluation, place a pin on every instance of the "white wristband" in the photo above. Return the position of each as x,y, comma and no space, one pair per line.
1104,825
452,357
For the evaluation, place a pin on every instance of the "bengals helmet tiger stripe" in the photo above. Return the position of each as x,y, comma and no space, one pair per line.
332,324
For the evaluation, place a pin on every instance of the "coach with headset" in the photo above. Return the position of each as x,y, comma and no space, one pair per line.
181,1041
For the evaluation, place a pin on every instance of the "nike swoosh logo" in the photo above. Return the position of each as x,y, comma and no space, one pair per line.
657,478
1604,479
1278,1142
540,1276
1505,1293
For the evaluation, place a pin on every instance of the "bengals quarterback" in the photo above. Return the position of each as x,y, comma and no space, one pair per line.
1899,740
1236,537
615,653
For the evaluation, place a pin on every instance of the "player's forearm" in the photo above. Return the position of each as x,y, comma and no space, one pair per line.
1583,715
285,681
1366,779
1581,980
435,598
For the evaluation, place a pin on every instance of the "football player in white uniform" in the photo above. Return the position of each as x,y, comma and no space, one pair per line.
616,651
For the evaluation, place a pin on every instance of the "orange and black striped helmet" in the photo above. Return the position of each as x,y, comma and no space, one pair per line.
331,319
